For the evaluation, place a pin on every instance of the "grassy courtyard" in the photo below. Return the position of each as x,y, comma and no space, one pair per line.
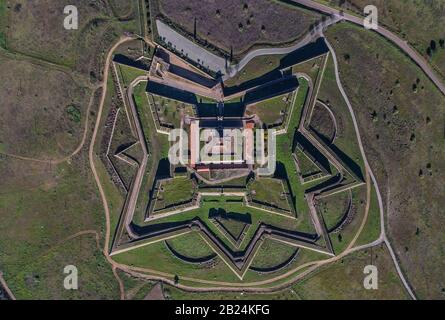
272,254
191,245
269,191
174,191
272,111
170,111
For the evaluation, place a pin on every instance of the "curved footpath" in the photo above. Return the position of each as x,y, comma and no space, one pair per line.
220,286
383,236
336,16
93,167
230,287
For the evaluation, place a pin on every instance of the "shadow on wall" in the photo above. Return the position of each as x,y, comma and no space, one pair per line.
171,93
281,173
221,213
307,52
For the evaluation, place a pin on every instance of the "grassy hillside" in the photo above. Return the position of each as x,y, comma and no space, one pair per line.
401,119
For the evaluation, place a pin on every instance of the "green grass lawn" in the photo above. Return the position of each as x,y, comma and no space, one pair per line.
307,166
311,67
402,130
162,260
256,67
304,256
170,111
272,253
343,279
174,191
329,93
270,191
371,231
346,284
342,239
333,208
158,147
127,74
158,257
228,205
284,155
234,227
191,245
238,182
271,111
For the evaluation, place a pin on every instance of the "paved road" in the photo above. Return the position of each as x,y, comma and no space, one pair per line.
193,51
310,37
402,44
216,63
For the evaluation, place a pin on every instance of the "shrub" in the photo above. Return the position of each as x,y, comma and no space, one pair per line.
73,113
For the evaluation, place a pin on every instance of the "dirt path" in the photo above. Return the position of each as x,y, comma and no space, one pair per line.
4,285
103,86
105,202
93,167
58,244
244,287
119,280
71,237
383,236
226,286
222,286
365,218
308,38
229,286
97,237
